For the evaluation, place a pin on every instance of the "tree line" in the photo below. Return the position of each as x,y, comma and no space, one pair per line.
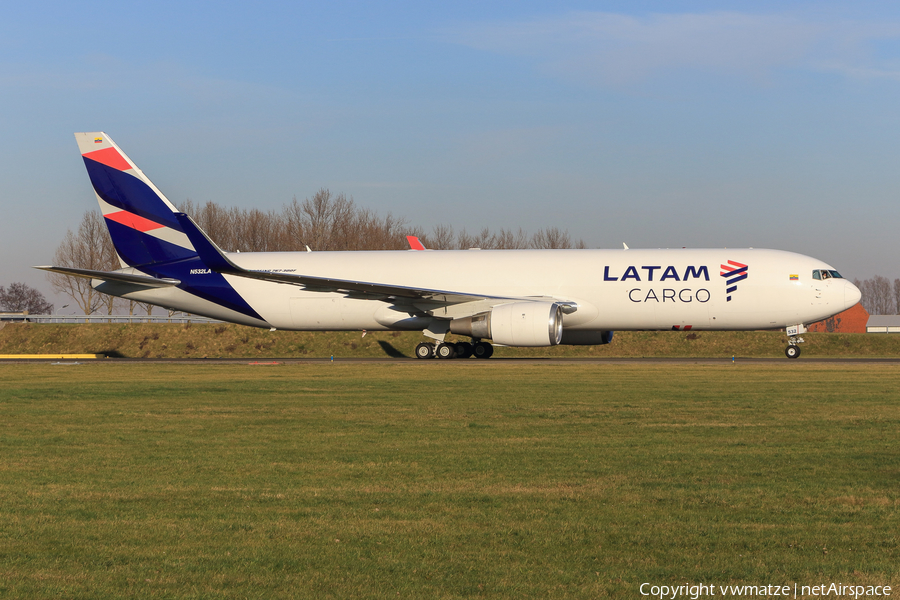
880,296
325,222
19,297
328,222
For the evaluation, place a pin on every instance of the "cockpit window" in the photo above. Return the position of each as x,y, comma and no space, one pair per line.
826,274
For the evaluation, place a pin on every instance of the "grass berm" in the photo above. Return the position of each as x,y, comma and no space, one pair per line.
236,341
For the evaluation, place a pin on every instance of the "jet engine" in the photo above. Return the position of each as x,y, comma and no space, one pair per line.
515,324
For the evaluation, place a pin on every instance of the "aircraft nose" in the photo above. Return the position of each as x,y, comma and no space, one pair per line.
852,295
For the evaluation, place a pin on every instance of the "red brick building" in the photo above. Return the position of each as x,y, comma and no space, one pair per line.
852,320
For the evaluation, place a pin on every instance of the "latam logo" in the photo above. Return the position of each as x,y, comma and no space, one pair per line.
733,272
670,272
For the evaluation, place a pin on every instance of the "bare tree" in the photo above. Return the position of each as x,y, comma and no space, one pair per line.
255,233
329,222
293,227
897,295
440,238
863,286
465,241
132,305
368,231
485,240
88,248
110,260
324,216
879,296
551,237
882,296
19,297
216,221
509,240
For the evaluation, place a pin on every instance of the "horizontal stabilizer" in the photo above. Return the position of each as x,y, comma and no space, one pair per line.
113,276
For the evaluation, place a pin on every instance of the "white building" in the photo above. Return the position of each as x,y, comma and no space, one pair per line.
883,324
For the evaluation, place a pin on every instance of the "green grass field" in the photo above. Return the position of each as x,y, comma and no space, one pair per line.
444,479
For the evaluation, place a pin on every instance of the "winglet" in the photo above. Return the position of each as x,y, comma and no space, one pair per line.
211,255
415,243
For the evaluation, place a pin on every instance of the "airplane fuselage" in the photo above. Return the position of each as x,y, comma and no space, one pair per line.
613,289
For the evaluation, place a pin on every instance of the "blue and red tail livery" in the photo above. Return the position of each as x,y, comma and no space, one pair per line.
140,218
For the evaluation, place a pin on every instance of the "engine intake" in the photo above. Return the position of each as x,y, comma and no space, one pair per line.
515,324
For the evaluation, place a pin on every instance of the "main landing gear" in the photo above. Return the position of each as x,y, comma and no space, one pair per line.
454,350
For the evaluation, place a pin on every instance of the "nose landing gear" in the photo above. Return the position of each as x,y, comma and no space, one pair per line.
793,332
792,351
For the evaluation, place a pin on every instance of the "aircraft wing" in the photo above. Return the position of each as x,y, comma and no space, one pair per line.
145,280
360,289
215,259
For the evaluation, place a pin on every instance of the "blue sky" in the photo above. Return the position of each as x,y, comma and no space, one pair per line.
659,124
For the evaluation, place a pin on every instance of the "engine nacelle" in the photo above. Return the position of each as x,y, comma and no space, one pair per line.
515,324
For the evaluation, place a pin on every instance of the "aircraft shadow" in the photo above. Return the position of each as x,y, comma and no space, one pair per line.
390,350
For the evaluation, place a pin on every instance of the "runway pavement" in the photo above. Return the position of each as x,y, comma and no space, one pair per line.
469,361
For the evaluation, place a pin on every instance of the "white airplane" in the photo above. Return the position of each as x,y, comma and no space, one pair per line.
511,297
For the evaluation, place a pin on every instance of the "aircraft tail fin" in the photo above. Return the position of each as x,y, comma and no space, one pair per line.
210,254
140,219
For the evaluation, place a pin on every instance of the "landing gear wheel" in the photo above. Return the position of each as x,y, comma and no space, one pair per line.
425,350
483,350
792,351
463,349
445,350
